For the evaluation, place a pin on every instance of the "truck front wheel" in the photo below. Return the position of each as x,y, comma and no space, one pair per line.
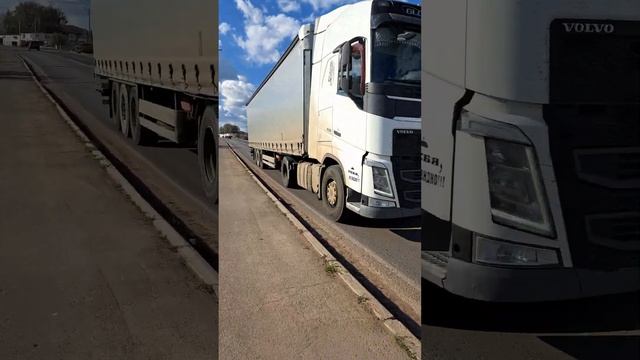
208,153
288,171
333,193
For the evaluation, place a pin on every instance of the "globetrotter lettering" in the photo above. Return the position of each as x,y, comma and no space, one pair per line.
413,11
432,160
589,28
433,179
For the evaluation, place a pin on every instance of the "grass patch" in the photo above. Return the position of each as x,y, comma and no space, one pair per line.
402,342
331,267
362,299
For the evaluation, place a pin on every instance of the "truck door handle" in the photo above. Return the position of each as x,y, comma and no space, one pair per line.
337,133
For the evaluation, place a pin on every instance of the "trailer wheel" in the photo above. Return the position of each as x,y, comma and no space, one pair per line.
259,162
114,109
123,110
288,172
139,134
208,153
333,193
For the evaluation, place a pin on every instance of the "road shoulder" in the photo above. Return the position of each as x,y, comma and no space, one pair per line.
279,298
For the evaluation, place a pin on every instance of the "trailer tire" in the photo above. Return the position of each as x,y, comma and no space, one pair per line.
139,134
123,111
288,172
259,162
208,153
114,107
333,193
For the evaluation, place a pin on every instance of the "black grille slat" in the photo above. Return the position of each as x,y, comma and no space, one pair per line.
615,230
614,168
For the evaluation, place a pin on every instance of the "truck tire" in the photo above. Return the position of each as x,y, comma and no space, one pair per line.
288,172
123,110
259,162
208,153
114,109
139,134
333,193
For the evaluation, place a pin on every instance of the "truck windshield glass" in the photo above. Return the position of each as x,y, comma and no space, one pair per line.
396,55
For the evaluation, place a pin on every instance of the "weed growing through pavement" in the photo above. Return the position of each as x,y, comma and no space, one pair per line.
331,267
362,299
401,341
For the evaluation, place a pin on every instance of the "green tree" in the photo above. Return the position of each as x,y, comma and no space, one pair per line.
59,40
229,129
32,17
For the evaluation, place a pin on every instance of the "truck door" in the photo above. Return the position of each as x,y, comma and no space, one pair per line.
325,102
349,119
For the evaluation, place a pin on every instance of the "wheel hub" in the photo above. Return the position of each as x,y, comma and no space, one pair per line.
332,193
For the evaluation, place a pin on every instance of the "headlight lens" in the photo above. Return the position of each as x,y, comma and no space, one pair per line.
517,193
381,183
493,252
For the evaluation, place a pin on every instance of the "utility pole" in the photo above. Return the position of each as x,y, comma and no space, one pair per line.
90,40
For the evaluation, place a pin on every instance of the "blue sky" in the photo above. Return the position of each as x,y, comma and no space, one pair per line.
253,34
77,11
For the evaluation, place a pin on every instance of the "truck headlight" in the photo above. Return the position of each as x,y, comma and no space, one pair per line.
381,183
517,192
494,252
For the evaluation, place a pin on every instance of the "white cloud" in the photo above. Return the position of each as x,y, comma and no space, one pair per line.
224,28
325,4
235,94
263,34
289,5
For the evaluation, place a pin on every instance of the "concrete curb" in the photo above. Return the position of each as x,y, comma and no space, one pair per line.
401,333
192,259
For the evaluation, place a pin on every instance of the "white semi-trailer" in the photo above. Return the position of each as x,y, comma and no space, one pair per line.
531,148
157,62
339,114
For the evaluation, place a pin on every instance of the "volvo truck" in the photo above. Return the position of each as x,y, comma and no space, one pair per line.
530,148
339,114
160,81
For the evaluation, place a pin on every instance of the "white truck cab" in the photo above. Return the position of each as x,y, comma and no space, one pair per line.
531,148
341,111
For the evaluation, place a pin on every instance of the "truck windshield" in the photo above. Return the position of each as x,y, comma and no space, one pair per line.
396,54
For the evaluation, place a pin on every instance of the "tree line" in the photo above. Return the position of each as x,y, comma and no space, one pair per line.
30,17
229,129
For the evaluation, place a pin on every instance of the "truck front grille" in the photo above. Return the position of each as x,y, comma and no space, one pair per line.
406,167
594,134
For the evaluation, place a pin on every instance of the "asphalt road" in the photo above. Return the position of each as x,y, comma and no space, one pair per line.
395,241
73,74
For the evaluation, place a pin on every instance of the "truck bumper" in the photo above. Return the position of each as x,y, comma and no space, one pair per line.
384,213
489,283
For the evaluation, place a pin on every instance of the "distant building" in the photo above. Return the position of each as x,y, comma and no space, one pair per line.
26,38
72,35
10,40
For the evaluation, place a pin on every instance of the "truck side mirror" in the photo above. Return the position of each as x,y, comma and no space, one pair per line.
345,67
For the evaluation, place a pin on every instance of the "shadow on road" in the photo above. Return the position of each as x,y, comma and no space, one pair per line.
596,347
599,314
